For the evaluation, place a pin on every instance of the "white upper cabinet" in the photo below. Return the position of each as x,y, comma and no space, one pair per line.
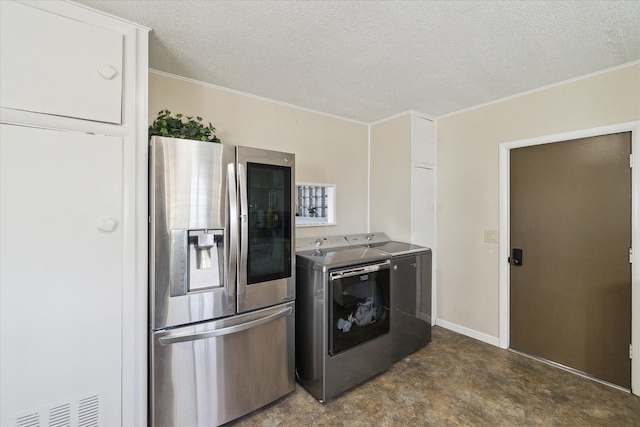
423,142
61,69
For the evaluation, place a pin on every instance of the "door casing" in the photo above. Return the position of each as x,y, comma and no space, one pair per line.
504,148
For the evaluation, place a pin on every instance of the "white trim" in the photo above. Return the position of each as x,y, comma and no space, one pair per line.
504,246
98,12
135,411
369,179
249,95
468,332
540,89
434,251
635,267
504,148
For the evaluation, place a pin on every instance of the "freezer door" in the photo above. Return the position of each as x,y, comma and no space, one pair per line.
212,373
266,274
192,249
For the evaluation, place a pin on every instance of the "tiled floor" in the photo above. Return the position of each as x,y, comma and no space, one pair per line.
459,381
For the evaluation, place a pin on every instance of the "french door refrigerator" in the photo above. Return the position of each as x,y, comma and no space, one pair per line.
222,285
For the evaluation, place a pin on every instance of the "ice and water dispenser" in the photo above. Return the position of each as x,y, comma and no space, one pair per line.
197,260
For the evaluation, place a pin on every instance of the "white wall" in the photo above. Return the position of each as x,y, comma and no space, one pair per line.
328,150
391,177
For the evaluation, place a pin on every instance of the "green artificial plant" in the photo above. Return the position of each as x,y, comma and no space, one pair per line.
175,127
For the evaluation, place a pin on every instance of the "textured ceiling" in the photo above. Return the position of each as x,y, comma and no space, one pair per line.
368,60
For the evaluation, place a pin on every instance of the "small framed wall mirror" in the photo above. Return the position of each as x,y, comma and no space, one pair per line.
315,204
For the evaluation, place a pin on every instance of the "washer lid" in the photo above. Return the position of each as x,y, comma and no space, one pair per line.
398,248
324,259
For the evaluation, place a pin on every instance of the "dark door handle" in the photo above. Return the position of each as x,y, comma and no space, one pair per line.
516,257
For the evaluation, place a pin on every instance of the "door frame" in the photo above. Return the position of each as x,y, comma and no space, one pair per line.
504,243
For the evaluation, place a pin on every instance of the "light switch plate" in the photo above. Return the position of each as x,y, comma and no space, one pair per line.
491,236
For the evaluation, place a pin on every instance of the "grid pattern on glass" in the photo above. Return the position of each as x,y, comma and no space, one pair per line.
312,201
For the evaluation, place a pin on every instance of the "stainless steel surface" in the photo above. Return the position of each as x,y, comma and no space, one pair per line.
232,270
188,191
244,231
225,331
228,368
221,342
277,290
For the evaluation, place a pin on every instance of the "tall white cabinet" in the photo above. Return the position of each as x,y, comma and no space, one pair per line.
423,174
423,192
73,216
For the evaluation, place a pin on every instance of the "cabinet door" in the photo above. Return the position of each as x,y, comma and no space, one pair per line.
55,65
60,275
423,217
424,142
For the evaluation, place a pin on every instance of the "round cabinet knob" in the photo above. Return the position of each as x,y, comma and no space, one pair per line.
107,225
107,71
395,267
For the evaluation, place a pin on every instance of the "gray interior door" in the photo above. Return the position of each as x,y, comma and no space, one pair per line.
570,293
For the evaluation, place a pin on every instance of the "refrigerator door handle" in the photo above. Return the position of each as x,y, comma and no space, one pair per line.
226,331
232,256
244,229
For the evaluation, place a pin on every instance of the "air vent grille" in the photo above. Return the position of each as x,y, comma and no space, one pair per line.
60,416
89,412
31,420
85,411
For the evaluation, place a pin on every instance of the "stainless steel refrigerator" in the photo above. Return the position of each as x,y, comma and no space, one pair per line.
222,285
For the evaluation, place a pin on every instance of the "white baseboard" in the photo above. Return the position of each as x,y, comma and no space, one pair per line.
469,332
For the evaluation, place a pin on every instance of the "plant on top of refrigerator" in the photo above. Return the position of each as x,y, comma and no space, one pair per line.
184,127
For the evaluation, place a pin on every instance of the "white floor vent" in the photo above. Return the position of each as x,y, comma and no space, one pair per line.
86,411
